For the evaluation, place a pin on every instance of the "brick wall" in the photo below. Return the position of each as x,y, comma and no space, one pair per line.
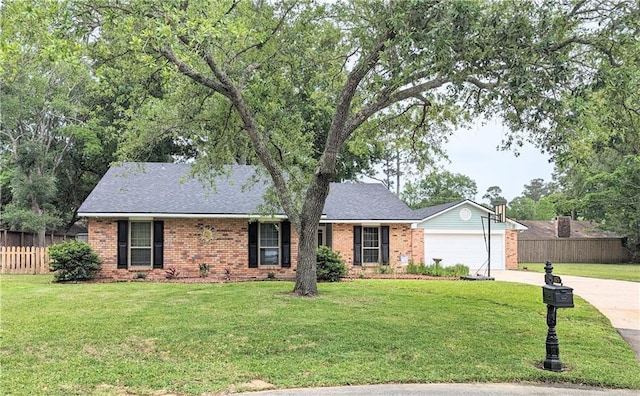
185,250
511,249
402,241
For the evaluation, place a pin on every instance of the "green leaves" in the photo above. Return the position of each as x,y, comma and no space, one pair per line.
438,188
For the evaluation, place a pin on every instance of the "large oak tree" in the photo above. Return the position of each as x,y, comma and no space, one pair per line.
253,77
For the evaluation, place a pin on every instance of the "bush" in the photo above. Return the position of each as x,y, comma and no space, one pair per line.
458,270
329,265
437,270
73,261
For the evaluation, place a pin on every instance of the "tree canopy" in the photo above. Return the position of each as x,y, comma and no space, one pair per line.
438,188
599,159
268,80
295,86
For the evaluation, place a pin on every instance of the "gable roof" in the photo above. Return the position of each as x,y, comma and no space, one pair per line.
430,212
169,190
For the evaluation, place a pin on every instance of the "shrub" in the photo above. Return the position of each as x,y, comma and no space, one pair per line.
415,269
73,261
458,270
329,265
385,269
436,270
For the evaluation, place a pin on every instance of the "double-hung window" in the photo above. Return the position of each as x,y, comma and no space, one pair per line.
140,244
370,244
269,244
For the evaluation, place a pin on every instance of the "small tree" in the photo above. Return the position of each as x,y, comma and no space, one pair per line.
74,261
329,265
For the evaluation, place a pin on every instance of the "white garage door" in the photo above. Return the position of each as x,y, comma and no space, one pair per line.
467,249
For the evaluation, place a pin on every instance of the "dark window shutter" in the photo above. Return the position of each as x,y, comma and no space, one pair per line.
384,231
328,238
357,245
123,239
158,244
285,243
253,244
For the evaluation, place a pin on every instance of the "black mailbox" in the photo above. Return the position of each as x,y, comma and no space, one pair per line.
558,296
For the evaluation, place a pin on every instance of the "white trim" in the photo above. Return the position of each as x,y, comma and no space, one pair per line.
192,216
278,246
182,215
515,224
463,231
369,222
130,246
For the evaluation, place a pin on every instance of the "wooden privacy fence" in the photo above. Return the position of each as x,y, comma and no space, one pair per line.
574,250
24,260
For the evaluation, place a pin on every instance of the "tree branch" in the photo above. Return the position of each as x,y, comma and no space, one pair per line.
387,100
191,72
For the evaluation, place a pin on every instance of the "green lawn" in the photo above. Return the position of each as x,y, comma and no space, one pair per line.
628,272
152,338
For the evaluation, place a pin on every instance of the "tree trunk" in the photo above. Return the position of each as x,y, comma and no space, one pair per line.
41,238
42,232
306,279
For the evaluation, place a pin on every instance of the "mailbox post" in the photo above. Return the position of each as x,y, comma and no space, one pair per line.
555,295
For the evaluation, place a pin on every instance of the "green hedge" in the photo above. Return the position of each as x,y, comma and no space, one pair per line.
74,261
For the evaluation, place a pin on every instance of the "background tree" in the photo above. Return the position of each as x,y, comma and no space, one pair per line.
537,189
273,65
525,208
45,114
494,196
438,188
598,159
537,202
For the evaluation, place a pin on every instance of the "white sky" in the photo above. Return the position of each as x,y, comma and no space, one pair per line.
473,153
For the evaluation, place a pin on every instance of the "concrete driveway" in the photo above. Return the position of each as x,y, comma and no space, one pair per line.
617,300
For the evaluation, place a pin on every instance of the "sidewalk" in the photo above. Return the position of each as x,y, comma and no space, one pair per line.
448,390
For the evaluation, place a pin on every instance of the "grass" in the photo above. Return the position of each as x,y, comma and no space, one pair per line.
628,272
148,338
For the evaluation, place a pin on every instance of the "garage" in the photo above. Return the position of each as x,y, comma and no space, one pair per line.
467,249
457,233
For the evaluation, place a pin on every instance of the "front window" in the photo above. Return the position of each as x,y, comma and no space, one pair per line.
370,244
269,244
140,244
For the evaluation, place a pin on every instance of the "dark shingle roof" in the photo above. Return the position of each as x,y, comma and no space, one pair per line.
365,201
429,211
163,188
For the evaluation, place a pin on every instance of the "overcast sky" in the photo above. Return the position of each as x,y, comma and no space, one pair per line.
473,153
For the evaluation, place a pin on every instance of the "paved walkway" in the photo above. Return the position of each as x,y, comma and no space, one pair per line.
617,300
447,390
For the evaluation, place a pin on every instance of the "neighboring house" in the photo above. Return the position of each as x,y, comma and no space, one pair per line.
458,233
564,240
147,217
